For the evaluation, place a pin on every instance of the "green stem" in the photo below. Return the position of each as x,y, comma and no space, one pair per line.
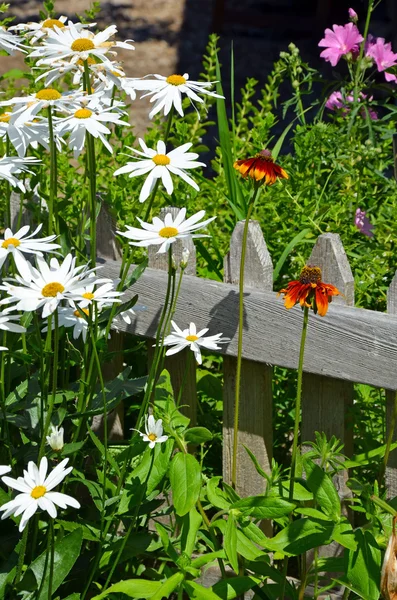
362,48
21,556
298,402
54,382
92,174
52,552
389,441
240,339
52,203
5,431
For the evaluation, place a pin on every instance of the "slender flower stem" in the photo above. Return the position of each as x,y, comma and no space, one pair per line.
166,136
240,338
91,173
362,48
52,553
53,200
21,556
54,383
389,441
298,403
5,432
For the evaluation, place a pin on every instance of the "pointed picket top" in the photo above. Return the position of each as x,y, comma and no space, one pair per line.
107,245
258,262
160,261
329,254
392,296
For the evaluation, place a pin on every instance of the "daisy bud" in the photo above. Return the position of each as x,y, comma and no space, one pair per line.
388,581
185,258
55,439
353,16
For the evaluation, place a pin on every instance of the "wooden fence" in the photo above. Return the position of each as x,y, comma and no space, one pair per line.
348,346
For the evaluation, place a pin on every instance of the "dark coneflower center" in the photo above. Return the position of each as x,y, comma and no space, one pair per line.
266,154
310,275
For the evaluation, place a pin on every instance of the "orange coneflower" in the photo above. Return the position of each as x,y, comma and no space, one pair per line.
310,291
261,167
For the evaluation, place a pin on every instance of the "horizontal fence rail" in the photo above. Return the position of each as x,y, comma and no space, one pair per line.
349,343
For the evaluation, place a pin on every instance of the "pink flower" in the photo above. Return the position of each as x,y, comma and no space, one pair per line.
353,16
383,56
363,224
339,42
336,101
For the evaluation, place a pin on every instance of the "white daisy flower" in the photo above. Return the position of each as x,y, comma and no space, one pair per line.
153,431
72,317
34,103
48,285
193,339
23,135
89,119
10,42
160,164
167,91
55,439
36,31
18,244
165,233
74,44
11,166
105,295
4,469
35,488
6,323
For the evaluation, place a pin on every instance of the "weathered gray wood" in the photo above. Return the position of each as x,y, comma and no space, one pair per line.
108,249
181,368
391,469
255,421
348,343
326,400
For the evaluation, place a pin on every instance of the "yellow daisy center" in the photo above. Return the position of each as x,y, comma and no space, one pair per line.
191,338
48,94
38,492
85,311
88,295
51,23
4,118
168,232
310,275
52,289
161,159
82,45
83,113
11,242
152,437
176,80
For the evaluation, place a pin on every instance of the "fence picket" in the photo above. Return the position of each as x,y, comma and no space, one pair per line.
182,367
108,249
255,423
391,469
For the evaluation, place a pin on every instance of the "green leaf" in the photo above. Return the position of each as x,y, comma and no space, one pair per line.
14,74
233,587
101,449
235,198
190,527
230,542
344,534
257,466
133,588
294,242
364,566
215,495
196,591
185,478
366,458
168,587
302,535
204,559
198,435
66,552
262,507
324,492
136,273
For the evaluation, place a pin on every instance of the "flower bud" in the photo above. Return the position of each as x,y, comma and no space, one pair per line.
174,267
388,580
353,16
55,439
185,258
